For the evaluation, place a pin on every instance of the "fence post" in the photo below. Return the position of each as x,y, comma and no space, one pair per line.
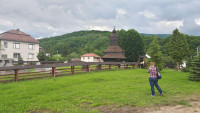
132,66
53,71
16,74
72,69
88,68
127,66
109,67
138,65
119,66
99,66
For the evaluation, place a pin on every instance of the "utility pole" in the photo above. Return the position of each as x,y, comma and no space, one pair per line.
197,50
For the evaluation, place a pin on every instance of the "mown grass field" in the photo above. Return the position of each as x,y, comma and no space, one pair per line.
83,93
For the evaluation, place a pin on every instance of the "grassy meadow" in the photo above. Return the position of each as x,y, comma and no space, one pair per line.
84,93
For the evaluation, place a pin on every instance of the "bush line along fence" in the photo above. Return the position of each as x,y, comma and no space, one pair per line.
16,73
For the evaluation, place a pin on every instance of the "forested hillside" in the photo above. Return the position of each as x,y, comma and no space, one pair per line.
73,45
158,35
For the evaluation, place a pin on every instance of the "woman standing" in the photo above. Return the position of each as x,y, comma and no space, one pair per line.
153,79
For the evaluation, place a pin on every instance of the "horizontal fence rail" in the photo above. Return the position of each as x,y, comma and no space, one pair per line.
16,73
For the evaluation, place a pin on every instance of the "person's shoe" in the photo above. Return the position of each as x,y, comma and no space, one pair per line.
153,95
161,94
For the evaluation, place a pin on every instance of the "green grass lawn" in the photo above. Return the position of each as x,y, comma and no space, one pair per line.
81,93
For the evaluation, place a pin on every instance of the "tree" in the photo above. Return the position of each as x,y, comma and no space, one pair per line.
147,41
73,55
122,37
156,54
178,47
165,46
195,69
41,56
20,60
131,42
57,57
193,42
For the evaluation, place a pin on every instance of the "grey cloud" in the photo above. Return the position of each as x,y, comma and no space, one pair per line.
44,18
190,27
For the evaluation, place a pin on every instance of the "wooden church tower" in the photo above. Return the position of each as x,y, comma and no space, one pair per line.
114,53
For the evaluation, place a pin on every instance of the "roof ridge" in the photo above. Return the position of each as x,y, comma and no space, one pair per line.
18,32
92,54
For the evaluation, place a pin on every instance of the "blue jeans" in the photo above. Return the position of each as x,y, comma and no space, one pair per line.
154,81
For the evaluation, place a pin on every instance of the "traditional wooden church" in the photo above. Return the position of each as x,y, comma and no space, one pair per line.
114,53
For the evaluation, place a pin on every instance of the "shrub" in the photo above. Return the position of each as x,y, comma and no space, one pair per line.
185,69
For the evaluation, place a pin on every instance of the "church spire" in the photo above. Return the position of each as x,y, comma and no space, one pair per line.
114,31
113,38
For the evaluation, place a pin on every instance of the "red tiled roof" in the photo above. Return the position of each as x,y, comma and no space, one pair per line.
90,55
114,56
17,35
114,49
101,59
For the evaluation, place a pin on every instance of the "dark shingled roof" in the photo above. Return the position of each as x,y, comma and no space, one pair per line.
121,56
17,35
114,49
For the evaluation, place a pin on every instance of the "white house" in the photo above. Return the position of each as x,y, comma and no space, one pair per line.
91,57
15,43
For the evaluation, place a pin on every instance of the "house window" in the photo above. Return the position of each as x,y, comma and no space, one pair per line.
31,46
5,45
16,45
16,55
30,55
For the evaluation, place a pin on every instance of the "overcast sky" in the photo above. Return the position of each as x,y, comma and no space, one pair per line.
45,18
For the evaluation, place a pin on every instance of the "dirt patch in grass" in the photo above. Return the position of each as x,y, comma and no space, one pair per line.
189,105
116,109
195,107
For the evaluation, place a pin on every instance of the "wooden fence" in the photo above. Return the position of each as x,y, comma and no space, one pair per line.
16,73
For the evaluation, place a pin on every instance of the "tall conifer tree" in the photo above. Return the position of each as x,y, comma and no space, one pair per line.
178,47
195,69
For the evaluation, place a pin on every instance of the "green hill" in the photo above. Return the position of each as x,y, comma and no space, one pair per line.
158,35
75,44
